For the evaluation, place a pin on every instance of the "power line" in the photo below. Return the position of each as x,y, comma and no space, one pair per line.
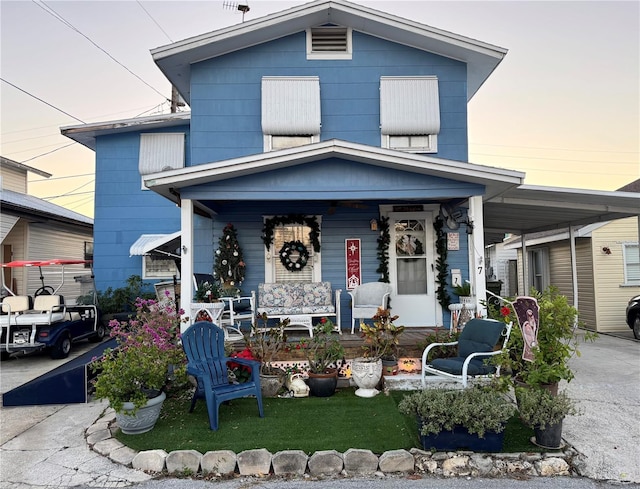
41,100
520,157
60,178
154,20
72,192
48,152
553,149
59,17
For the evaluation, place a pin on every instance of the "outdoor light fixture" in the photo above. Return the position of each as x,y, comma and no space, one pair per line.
373,225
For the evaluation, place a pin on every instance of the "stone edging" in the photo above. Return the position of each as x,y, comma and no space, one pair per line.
353,462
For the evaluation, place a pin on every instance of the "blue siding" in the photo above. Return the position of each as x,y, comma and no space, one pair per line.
123,211
225,94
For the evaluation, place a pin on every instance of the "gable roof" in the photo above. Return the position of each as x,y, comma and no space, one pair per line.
495,180
175,60
21,166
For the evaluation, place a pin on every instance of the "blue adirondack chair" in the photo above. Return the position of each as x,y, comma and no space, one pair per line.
203,343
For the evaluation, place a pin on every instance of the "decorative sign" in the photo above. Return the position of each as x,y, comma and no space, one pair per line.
453,241
527,312
352,257
408,208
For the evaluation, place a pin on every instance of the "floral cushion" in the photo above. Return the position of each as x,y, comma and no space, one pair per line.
295,298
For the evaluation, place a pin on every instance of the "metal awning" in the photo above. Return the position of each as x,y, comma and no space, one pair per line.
164,244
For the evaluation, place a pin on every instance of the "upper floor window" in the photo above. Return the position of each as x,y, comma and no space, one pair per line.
329,42
160,152
631,263
410,113
290,111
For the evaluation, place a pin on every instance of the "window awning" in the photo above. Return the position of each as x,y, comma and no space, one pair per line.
164,244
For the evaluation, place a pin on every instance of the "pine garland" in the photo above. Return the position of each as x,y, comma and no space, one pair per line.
441,264
384,240
311,222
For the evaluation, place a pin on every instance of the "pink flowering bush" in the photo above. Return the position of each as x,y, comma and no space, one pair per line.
148,355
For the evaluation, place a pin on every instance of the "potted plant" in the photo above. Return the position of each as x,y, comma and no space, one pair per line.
265,343
322,351
134,375
557,342
545,412
472,418
463,291
380,340
208,293
119,303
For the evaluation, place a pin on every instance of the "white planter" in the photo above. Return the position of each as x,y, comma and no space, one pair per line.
143,420
366,374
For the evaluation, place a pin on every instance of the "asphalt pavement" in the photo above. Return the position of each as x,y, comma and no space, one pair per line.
43,447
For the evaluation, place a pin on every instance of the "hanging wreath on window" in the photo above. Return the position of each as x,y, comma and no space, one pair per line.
293,248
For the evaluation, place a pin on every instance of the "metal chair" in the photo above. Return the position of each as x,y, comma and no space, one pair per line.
203,343
476,343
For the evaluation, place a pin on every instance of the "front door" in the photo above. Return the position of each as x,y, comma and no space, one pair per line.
411,268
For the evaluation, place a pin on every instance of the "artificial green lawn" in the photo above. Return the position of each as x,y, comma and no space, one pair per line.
339,422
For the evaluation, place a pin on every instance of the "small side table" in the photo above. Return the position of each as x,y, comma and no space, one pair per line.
212,309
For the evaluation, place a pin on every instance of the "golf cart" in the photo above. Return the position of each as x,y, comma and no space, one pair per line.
43,321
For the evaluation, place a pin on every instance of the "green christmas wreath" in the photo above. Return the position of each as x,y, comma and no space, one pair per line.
293,247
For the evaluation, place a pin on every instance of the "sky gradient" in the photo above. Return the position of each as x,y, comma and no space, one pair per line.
563,106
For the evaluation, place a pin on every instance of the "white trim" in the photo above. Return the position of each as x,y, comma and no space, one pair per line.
348,54
627,250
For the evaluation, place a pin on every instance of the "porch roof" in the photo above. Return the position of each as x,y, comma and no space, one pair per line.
175,59
494,180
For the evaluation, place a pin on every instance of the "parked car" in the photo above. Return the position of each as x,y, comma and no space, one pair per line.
633,315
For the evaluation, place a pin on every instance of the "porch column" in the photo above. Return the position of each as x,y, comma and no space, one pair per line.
574,265
476,253
186,262
525,266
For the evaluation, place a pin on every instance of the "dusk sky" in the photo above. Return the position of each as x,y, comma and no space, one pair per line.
563,106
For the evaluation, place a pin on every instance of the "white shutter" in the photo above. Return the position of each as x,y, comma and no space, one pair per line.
161,152
291,105
409,105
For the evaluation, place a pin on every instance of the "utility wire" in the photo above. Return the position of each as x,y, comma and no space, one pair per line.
48,152
59,17
154,20
60,178
41,100
71,192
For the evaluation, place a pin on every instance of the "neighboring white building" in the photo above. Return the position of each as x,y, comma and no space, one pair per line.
34,229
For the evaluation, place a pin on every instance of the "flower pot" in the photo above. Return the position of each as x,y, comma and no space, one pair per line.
459,438
323,385
366,374
270,384
143,420
389,367
550,437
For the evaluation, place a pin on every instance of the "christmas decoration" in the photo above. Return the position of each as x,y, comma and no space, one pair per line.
298,251
229,265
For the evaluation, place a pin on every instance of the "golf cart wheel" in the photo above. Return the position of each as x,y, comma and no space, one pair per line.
636,328
101,332
62,347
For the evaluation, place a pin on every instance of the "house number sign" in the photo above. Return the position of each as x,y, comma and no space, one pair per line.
352,257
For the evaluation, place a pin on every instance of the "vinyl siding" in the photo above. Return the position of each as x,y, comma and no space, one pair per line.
14,179
587,305
611,295
17,238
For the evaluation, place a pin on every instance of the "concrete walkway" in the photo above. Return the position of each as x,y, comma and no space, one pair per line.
44,446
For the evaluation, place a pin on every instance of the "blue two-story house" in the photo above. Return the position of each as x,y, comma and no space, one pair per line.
350,117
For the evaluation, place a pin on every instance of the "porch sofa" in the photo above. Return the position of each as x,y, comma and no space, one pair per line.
300,302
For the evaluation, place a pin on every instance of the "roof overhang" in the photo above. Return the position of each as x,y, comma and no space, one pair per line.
86,134
530,209
495,180
175,59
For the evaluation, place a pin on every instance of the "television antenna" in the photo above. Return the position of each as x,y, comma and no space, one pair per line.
239,6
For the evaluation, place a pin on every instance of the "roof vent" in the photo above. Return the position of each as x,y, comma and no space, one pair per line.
329,40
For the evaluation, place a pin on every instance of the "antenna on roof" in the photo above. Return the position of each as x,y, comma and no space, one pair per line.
239,6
